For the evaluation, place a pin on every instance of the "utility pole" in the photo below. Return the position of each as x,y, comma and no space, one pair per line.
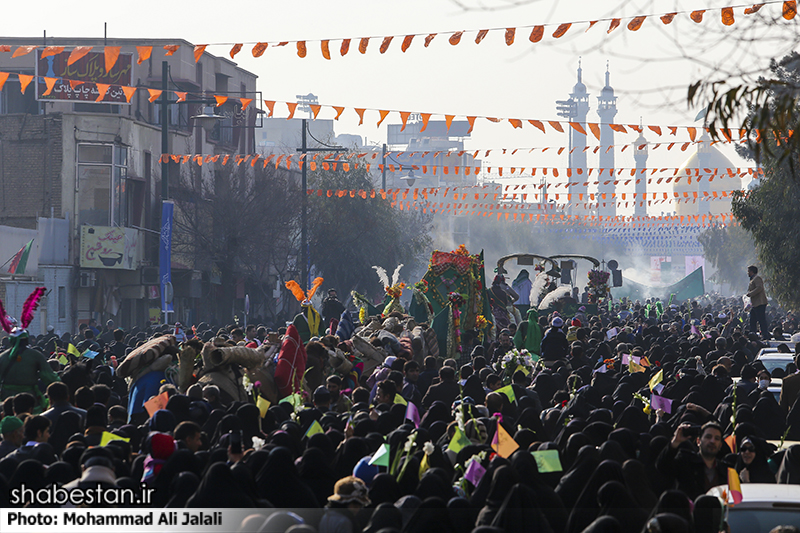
383,169
304,149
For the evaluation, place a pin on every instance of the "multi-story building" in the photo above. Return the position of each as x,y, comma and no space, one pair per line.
95,166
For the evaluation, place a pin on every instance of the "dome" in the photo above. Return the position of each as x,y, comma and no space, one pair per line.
705,159
607,93
579,89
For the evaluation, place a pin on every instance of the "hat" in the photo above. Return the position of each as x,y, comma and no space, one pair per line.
10,424
557,322
350,489
575,322
50,329
321,394
582,309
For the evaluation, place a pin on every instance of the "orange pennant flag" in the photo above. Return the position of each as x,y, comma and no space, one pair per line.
613,25
236,49
23,50
481,35
52,51
362,45
517,123
456,38
536,34
595,129
292,107
220,100
537,124
315,108
577,127
448,120
666,19
111,54
727,16
74,83
655,129
754,9
510,33
556,126
425,118
143,53
697,16
692,133
636,23
428,39
618,127
102,89
170,49
406,42
561,30
325,48
24,80
3,78
339,111
77,53
301,49
360,115
404,117
50,83
198,51
129,91
383,114
385,44
154,94
259,49
789,9
181,96
471,121
345,47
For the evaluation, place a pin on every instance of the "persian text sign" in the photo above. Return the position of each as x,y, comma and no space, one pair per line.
91,70
105,247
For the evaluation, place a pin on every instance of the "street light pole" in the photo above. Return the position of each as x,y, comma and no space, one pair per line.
304,211
165,235
164,132
383,169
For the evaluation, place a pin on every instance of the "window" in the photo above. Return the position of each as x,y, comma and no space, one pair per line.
62,303
103,184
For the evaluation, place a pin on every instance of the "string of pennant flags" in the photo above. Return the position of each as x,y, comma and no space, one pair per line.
454,37
101,89
433,192
344,163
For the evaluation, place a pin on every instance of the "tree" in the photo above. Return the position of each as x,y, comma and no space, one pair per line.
348,235
771,210
241,223
730,249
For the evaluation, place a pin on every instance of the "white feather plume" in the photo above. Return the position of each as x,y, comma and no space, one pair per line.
382,275
553,296
396,275
537,288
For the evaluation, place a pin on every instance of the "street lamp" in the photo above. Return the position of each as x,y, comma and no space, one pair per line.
208,119
410,179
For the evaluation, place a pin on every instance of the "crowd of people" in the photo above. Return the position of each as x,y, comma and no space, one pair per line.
643,409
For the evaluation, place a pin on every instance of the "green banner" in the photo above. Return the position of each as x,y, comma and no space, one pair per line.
691,286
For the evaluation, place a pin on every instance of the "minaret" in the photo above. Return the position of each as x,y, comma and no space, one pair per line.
703,162
575,110
640,156
607,110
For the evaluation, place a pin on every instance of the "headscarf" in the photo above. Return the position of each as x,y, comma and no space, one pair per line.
162,446
531,338
220,489
291,364
520,512
183,487
616,500
280,483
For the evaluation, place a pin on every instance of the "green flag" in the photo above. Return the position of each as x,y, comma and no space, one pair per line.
459,441
20,259
314,428
547,461
508,391
381,457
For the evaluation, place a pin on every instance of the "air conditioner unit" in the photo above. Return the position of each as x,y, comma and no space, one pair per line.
150,276
87,278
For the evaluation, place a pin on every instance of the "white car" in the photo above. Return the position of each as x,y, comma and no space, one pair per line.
774,359
763,506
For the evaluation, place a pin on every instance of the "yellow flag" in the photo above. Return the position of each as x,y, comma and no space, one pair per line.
71,349
655,380
314,428
634,367
262,404
503,443
108,437
399,399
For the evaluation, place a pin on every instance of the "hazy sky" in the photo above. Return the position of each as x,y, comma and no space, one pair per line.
650,68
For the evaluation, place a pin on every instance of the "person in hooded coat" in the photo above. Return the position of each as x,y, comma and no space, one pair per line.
520,513
529,334
281,484
316,472
220,489
572,482
616,500
291,364
503,479
182,488
547,500
586,508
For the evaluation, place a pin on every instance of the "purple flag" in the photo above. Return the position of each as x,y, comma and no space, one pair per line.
474,472
659,402
412,413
